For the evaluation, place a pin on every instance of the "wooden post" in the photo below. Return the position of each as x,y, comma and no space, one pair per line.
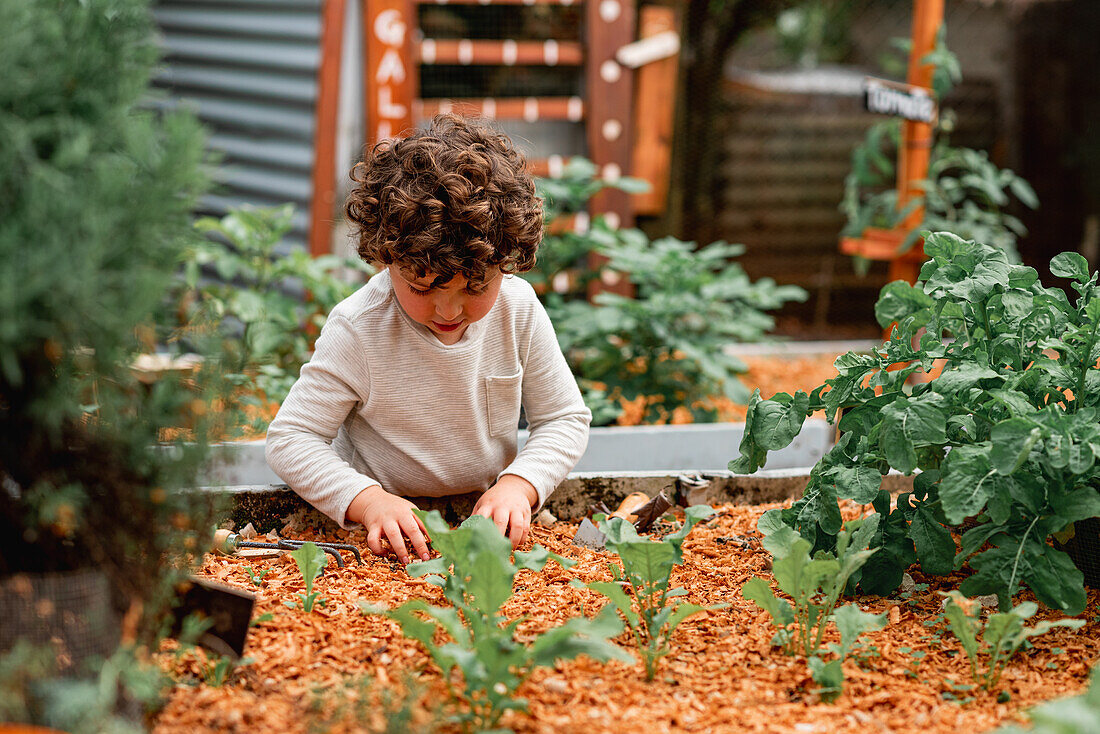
610,89
324,132
916,137
654,105
390,68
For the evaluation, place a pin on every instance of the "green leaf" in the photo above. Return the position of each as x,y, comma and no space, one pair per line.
908,424
777,421
311,562
851,622
618,596
858,483
830,676
899,299
580,636
963,626
968,481
1070,265
1012,441
757,590
933,542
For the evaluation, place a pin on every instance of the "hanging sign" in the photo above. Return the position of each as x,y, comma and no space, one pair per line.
899,100
390,69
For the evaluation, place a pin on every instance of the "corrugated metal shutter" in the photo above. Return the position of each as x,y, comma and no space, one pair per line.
249,69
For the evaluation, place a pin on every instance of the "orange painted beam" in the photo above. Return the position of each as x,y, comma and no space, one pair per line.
324,132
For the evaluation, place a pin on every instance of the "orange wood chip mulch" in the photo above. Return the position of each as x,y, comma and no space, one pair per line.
326,671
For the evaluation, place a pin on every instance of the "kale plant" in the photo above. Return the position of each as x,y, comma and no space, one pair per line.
647,565
1006,437
475,571
1001,636
815,585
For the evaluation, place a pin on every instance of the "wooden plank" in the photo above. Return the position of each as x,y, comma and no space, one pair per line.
529,109
654,113
324,131
506,52
390,78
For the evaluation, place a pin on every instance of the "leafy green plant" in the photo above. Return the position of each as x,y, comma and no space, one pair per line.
1001,635
277,301
965,192
815,586
311,561
1007,435
475,572
666,343
646,567
1064,715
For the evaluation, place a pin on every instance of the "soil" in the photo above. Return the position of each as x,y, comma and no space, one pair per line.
333,669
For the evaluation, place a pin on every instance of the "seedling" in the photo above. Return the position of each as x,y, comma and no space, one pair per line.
311,562
476,572
214,673
815,585
647,566
1001,635
257,578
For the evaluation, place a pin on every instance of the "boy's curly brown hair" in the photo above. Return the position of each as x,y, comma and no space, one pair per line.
455,198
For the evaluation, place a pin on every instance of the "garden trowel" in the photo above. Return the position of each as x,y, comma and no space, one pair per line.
637,508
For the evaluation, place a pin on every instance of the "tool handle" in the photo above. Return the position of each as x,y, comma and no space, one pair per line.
225,541
630,503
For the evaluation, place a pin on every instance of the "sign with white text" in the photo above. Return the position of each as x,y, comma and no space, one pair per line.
391,77
899,100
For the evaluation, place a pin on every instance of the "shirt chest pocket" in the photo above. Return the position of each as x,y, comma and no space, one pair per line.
502,403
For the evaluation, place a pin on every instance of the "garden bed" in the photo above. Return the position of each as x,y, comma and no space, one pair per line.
325,671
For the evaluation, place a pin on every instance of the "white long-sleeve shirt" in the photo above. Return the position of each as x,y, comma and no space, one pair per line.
383,401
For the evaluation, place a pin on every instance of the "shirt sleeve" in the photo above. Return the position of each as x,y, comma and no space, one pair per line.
557,417
299,440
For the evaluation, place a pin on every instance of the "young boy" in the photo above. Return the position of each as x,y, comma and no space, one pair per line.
416,382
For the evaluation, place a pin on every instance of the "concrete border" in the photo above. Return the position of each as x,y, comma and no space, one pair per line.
704,447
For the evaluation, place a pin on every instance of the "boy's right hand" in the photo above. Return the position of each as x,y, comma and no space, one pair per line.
383,513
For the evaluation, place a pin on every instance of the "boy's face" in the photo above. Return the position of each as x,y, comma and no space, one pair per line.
447,309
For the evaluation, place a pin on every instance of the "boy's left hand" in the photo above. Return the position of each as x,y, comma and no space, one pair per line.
508,503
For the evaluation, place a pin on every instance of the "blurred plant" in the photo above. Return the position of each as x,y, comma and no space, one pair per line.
965,192
665,345
96,192
258,294
33,690
815,31
393,710
1064,715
